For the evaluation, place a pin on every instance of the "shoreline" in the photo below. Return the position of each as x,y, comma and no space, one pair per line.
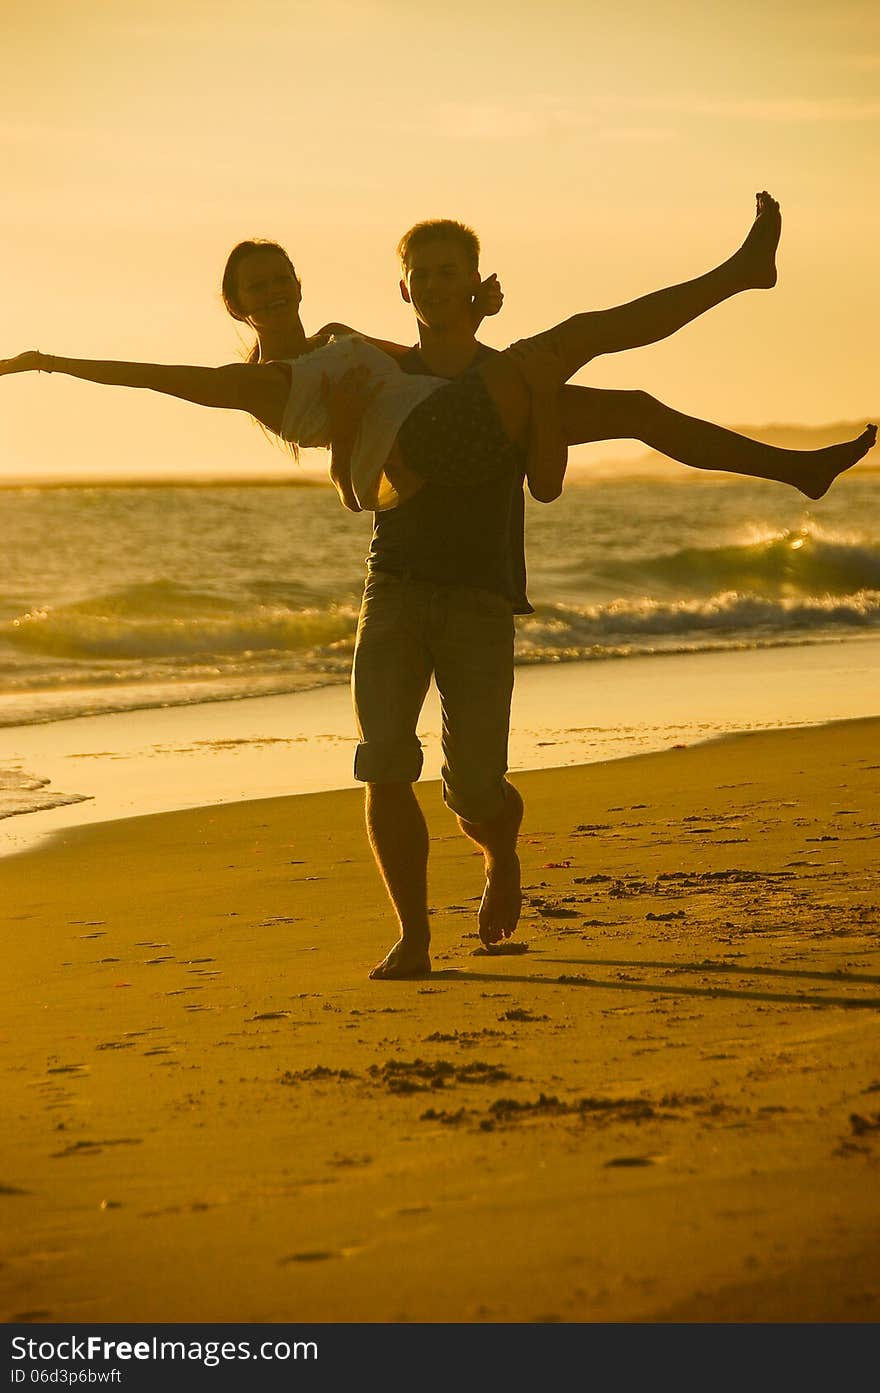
198,1063
74,818
158,759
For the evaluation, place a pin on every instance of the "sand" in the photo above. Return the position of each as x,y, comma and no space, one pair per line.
668,1109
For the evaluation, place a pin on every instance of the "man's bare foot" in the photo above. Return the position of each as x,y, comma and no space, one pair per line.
405,960
502,899
756,258
821,467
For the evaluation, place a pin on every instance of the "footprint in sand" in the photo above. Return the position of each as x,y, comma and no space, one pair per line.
500,950
318,1256
633,1161
94,1148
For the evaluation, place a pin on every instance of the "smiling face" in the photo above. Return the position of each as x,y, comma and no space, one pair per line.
267,292
440,282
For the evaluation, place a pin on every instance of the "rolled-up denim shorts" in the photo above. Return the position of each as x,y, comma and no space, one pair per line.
410,630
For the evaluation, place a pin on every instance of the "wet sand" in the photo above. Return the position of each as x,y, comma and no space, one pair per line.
129,762
667,1109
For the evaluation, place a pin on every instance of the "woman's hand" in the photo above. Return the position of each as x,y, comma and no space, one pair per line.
31,361
489,297
347,399
539,364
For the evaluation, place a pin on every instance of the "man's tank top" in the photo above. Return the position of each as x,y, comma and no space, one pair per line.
449,537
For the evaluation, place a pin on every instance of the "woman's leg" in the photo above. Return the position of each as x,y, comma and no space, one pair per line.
591,413
460,445
656,316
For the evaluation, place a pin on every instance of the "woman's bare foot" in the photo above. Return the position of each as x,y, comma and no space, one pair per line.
756,258
502,899
821,467
406,960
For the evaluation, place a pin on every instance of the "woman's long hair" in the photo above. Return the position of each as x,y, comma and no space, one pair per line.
229,293
229,284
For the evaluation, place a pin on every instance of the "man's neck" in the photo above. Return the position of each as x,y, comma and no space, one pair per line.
447,352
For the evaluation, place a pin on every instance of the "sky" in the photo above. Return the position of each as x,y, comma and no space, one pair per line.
599,151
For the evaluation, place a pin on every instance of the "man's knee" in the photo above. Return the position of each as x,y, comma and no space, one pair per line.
497,835
481,805
388,762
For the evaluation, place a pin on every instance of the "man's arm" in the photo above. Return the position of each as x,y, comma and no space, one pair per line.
346,400
547,442
547,448
394,350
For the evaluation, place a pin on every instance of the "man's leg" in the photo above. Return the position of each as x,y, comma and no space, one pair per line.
502,896
390,677
398,837
473,658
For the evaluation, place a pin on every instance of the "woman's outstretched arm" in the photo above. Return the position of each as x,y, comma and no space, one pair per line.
261,389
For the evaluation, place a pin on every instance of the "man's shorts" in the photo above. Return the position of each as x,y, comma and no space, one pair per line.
408,631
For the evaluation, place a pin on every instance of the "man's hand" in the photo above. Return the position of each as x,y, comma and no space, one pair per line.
489,297
347,399
539,364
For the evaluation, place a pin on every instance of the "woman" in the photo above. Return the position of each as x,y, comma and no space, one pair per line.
393,430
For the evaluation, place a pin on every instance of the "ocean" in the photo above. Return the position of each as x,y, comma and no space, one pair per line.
117,598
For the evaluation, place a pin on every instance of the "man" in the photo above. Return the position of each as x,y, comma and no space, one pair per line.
446,576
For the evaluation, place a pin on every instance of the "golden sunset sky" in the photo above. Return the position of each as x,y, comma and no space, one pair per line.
600,151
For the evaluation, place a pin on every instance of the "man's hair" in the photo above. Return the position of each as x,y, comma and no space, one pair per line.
436,230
